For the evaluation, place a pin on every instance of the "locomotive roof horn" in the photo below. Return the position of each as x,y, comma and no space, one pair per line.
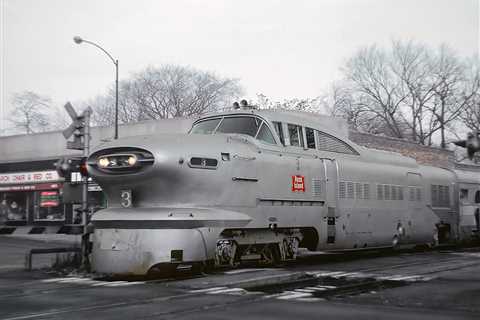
243,105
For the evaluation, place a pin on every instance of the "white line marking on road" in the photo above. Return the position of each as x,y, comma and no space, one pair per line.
123,283
310,299
100,283
319,274
55,279
207,289
340,275
294,295
316,288
305,290
228,291
467,254
238,271
359,275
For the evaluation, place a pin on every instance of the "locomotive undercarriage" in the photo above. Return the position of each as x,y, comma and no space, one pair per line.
265,246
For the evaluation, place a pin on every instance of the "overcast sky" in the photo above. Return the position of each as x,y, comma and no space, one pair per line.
283,49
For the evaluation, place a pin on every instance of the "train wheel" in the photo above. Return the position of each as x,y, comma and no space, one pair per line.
270,255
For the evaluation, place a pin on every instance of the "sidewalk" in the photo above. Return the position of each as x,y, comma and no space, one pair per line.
13,249
65,239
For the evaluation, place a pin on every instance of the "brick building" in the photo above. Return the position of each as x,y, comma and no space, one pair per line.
433,156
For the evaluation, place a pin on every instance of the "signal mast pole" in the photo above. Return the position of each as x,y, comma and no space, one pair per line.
86,151
80,130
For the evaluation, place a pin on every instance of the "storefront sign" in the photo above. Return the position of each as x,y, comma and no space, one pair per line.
49,199
33,187
28,177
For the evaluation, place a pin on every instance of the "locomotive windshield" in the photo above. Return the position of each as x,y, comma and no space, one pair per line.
242,125
205,127
251,126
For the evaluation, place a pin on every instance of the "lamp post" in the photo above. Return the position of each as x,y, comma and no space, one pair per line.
79,40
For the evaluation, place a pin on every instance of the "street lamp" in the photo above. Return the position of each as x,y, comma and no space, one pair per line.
79,40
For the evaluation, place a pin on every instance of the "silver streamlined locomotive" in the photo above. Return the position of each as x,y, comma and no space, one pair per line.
262,185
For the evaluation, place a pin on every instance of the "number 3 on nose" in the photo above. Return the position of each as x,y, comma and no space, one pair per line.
126,198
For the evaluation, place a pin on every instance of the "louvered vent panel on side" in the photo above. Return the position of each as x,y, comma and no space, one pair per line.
394,193
386,191
379,191
317,187
358,190
366,191
342,190
350,190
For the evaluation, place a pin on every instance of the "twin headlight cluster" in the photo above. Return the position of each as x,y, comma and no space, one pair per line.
121,160
117,161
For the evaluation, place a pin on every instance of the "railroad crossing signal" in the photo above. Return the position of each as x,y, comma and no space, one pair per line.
78,128
472,143
65,166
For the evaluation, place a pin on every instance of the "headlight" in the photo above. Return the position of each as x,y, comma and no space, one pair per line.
132,160
103,162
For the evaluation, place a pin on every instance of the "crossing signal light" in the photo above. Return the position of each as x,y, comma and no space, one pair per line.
65,166
472,144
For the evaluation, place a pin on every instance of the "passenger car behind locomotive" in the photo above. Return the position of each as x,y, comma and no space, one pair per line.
258,185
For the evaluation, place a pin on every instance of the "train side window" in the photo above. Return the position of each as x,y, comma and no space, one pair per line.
310,133
419,194
440,196
278,128
477,196
265,135
464,195
296,135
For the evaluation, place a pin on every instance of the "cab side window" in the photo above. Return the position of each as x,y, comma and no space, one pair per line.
265,135
279,131
310,133
296,135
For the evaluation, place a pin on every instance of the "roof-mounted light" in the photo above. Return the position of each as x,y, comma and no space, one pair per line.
243,105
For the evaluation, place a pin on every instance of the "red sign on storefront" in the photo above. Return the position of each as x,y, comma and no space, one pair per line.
49,199
298,183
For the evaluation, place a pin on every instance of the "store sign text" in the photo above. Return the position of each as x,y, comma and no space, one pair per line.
28,177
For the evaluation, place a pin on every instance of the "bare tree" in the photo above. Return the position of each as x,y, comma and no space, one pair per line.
453,91
298,104
470,114
166,92
409,91
30,112
371,77
413,65
339,101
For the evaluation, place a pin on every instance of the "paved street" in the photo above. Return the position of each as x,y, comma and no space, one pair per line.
428,285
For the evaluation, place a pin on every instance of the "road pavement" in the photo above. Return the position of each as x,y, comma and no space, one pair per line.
442,284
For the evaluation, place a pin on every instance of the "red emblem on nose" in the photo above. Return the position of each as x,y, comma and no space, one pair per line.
298,183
